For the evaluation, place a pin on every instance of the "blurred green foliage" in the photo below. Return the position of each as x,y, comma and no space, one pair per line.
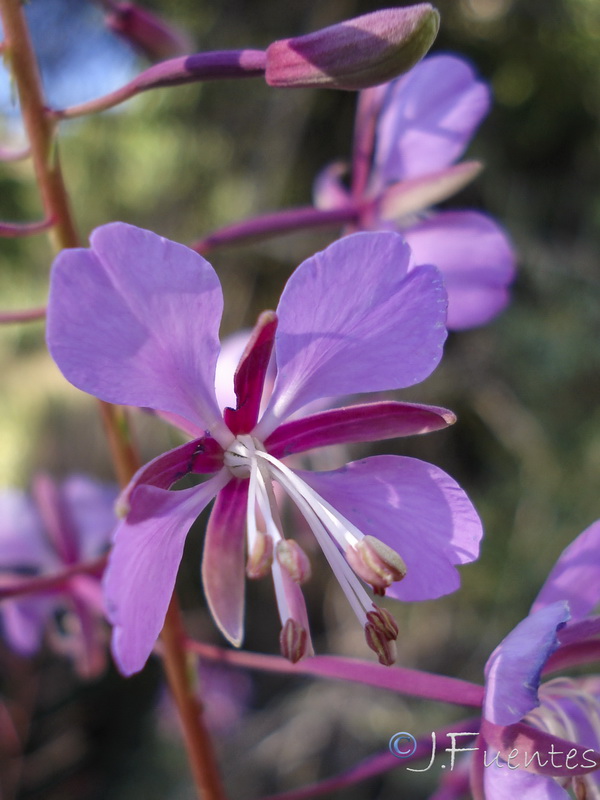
527,444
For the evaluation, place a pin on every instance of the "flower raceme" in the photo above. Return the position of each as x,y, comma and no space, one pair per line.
134,320
53,530
409,134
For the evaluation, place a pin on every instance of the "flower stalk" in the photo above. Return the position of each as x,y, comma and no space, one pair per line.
40,128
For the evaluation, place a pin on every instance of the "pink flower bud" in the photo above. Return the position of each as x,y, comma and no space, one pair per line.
147,32
355,54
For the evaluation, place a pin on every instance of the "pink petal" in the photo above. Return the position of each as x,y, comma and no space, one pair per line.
142,568
575,576
361,423
428,118
475,258
413,507
23,622
23,543
223,562
351,320
135,319
91,506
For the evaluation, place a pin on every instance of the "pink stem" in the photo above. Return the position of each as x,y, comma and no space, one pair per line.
398,679
174,72
13,229
26,315
275,224
15,587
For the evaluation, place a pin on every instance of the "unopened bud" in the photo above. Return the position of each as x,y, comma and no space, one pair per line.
150,34
261,558
355,54
381,619
293,641
376,563
380,644
293,559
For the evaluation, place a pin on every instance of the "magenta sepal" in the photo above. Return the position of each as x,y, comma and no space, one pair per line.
522,741
217,65
573,655
201,456
369,422
223,565
249,378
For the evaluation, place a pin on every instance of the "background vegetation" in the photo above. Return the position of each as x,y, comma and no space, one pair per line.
526,447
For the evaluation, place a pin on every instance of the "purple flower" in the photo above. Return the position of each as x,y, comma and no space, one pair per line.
134,320
409,133
55,529
551,728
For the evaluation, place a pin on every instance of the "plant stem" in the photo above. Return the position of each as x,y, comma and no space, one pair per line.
197,739
41,130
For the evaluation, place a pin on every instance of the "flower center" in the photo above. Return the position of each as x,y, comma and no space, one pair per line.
350,553
241,454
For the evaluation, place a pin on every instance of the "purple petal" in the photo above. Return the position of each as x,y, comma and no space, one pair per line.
361,423
91,506
575,576
202,456
351,320
135,321
428,118
23,622
223,563
23,544
413,507
475,258
514,668
502,783
142,567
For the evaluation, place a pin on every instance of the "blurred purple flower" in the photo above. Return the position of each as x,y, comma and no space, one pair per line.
135,319
409,134
560,716
53,529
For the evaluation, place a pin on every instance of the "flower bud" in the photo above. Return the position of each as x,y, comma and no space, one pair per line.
293,641
355,54
260,559
147,32
376,563
293,559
